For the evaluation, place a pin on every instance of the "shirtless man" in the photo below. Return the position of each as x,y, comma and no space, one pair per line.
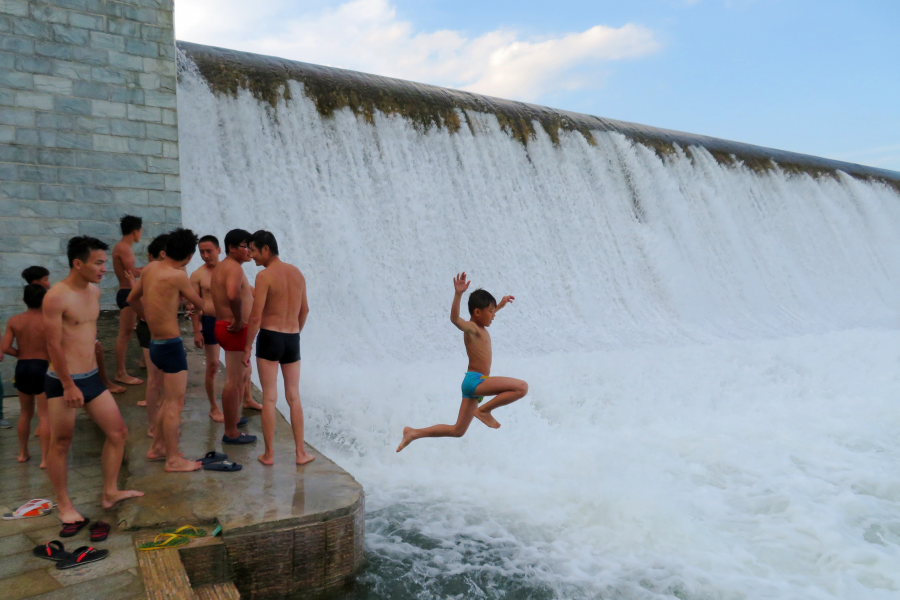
41,277
278,314
233,299
123,262
205,323
71,308
161,286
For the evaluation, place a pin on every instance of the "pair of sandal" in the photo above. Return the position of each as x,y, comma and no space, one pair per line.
173,538
216,461
56,552
99,530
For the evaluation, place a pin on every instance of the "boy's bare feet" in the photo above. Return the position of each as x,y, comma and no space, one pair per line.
266,460
487,419
115,389
142,403
128,379
24,457
303,459
252,404
181,465
72,516
110,500
216,415
407,438
43,464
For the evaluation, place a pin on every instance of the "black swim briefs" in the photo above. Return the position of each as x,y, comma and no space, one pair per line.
208,328
30,373
89,383
168,355
122,298
283,348
143,333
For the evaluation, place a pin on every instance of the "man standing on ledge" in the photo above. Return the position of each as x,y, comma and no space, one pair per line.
71,308
233,299
205,323
123,262
279,313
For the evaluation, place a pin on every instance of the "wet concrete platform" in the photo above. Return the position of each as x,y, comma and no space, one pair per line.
287,530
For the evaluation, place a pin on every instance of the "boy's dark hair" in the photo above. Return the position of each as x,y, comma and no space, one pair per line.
235,238
263,238
181,244
80,248
35,273
480,299
157,245
34,295
131,223
210,238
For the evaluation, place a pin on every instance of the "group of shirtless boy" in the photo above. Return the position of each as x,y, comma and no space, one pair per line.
60,364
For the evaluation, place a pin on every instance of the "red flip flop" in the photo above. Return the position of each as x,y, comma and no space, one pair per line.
70,529
99,531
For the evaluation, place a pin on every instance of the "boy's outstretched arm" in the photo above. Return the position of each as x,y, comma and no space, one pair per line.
506,300
460,285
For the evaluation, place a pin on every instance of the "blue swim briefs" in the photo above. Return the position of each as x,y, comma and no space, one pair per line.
470,382
208,329
168,355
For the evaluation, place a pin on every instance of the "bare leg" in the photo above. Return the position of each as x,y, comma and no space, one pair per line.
153,393
127,320
174,385
212,369
26,402
249,402
505,390
291,374
62,425
105,413
268,377
43,427
235,380
101,370
466,413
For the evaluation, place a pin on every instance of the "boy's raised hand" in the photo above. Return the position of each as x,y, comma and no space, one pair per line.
506,300
460,284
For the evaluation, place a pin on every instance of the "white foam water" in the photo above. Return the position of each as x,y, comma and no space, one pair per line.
713,354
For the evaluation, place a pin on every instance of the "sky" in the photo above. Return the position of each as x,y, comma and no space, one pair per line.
817,77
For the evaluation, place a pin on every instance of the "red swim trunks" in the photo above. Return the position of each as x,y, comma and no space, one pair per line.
230,342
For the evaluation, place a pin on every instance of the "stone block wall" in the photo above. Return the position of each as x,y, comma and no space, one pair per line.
88,130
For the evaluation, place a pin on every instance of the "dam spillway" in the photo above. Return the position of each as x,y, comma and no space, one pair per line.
709,331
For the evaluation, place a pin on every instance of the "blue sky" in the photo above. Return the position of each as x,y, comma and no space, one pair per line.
815,77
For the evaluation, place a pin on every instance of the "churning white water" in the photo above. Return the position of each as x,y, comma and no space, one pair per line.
713,354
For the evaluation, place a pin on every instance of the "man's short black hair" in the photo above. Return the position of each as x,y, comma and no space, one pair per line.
35,273
131,223
480,299
157,245
80,248
235,238
210,238
34,295
182,243
263,238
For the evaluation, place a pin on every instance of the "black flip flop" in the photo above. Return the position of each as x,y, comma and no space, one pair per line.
212,457
99,531
225,466
82,556
241,439
70,529
54,551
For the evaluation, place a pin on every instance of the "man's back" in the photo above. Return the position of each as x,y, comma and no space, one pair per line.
28,328
230,271
122,256
161,284
79,310
286,289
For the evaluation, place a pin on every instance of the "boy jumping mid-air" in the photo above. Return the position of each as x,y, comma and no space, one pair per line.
477,382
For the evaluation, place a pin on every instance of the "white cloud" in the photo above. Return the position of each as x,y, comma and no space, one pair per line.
367,35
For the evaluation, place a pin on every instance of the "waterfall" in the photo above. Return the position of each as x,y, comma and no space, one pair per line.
712,348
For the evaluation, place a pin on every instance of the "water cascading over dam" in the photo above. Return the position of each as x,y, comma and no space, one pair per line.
710,332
